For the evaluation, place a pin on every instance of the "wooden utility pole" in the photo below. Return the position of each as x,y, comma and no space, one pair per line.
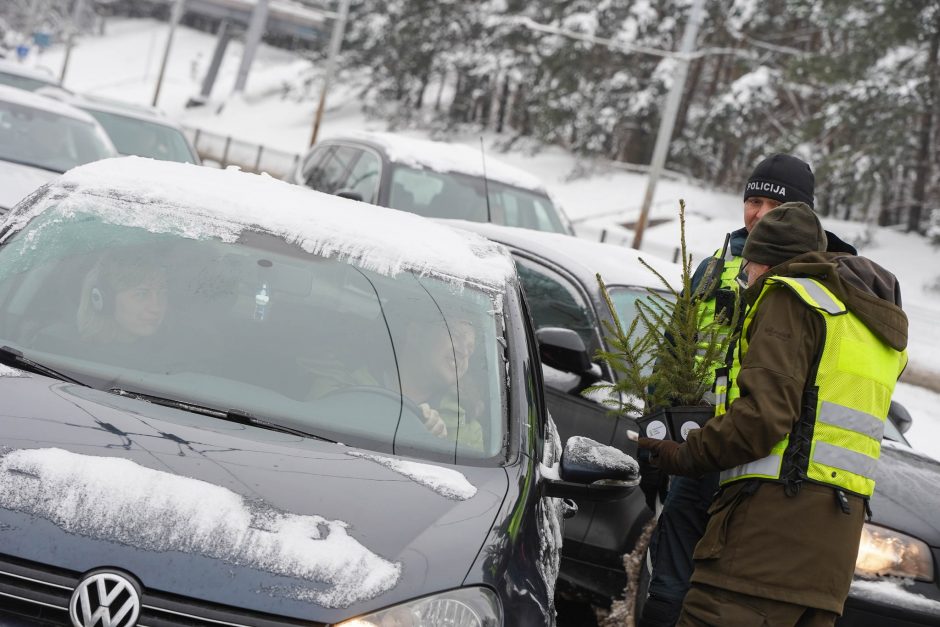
668,121
336,42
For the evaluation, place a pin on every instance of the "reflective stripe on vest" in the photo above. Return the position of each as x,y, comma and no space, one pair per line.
853,382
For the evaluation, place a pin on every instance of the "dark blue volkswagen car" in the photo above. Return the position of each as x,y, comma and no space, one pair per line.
227,400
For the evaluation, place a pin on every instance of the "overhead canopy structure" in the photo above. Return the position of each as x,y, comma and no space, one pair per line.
288,18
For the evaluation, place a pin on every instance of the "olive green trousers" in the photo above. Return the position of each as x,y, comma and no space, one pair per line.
706,606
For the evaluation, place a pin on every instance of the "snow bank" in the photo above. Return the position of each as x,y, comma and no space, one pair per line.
445,481
199,203
118,500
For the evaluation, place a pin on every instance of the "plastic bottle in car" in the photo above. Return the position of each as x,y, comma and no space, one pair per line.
261,302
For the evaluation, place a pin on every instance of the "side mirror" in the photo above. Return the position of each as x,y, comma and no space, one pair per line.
591,471
350,194
899,415
563,349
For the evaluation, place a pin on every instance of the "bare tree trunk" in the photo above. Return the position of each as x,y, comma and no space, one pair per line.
923,164
440,91
691,88
503,104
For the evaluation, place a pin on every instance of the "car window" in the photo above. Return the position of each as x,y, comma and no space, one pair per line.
329,174
555,302
463,197
23,82
261,326
516,207
47,140
132,136
364,176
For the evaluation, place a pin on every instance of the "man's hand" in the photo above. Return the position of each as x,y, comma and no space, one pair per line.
663,453
433,421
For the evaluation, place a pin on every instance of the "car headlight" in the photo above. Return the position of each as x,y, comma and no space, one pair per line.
888,553
464,607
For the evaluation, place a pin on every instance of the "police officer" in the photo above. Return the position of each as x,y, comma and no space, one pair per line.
777,179
822,345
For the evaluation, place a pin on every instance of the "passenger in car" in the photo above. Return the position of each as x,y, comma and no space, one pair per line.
433,372
439,360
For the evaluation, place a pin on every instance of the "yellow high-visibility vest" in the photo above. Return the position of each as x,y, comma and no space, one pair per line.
837,440
726,281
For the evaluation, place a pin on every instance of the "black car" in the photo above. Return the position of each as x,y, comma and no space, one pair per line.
896,579
229,400
558,276
432,179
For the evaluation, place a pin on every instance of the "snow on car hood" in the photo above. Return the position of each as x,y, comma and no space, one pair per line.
19,181
894,593
445,157
445,481
119,500
197,202
226,513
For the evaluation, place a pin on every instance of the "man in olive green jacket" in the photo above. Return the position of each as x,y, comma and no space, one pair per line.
771,554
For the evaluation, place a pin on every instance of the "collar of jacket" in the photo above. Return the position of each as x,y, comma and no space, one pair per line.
868,290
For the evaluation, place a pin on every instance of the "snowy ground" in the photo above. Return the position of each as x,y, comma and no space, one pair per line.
124,64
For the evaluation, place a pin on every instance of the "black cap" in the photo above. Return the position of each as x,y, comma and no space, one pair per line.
783,233
782,177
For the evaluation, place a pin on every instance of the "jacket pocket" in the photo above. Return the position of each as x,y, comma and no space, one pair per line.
721,512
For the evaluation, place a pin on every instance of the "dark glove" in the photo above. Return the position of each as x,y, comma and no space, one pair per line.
654,483
663,454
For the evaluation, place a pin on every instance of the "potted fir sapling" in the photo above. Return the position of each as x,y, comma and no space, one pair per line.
666,357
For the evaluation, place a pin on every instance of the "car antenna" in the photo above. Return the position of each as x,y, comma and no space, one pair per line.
486,184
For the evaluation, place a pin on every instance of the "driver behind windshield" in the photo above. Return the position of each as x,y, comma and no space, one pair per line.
123,299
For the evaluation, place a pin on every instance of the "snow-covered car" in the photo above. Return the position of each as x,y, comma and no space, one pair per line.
41,138
216,411
896,580
558,276
432,179
14,74
134,129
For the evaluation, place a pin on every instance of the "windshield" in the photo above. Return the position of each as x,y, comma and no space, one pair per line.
47,140
406,364
144,139
451,195
23,82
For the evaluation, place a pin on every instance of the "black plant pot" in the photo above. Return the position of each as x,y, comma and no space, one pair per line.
674,423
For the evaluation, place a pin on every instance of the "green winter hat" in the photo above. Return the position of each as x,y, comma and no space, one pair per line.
783,233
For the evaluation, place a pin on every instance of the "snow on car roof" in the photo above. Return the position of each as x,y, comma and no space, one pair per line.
443,157
199,203
39,73
618,265
113,499
29,99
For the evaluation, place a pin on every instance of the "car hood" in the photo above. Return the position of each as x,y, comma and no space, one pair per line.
18,181
223,513
906,497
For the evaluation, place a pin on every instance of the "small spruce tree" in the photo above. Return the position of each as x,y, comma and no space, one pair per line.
667,356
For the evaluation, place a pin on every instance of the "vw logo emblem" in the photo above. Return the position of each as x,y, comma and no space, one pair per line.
104,599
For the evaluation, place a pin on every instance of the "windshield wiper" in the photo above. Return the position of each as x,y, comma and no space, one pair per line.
232,415
12,357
